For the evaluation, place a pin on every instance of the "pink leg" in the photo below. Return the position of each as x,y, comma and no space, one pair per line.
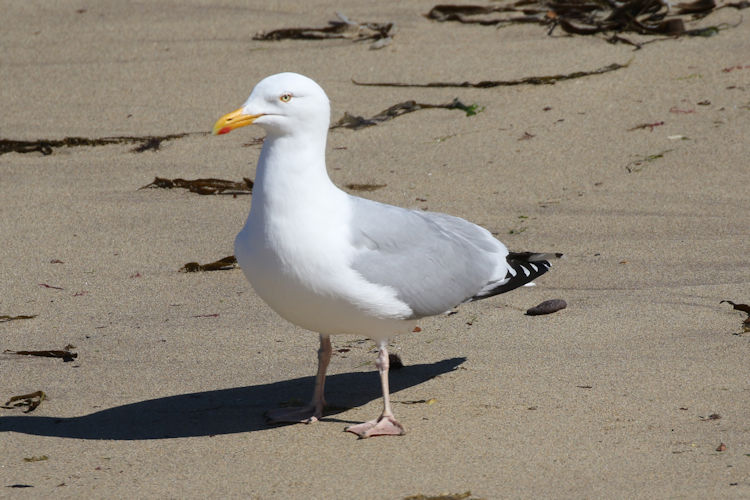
386,424
314,411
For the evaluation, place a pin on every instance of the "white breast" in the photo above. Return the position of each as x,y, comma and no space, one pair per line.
299,265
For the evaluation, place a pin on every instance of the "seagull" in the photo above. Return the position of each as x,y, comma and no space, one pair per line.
334,263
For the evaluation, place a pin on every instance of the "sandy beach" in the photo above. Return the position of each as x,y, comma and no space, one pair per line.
638,389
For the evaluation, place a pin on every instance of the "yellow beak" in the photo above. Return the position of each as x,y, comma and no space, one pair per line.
233,120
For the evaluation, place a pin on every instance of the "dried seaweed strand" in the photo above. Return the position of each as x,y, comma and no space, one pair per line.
741,307
485,84
226,263
365,187
357,122
204,186
590,17
343,28
4,318
66,355
47,146
31,401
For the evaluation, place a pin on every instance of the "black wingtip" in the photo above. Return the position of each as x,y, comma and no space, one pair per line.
525,272
525,268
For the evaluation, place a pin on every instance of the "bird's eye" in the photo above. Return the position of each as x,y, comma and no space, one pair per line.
285,97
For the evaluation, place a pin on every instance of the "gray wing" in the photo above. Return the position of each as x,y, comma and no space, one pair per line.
434,261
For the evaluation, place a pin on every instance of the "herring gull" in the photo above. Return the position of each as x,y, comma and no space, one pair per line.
334,263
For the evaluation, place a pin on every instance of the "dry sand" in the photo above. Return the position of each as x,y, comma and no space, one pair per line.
608,398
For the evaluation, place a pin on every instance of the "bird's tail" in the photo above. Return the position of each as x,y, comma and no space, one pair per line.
523,268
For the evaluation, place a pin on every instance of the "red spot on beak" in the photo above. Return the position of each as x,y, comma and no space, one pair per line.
224,130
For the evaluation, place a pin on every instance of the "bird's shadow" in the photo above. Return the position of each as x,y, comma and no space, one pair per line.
224,411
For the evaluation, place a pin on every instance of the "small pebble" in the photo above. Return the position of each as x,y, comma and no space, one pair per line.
547,307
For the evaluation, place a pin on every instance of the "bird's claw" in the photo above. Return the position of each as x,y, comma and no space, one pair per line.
382,426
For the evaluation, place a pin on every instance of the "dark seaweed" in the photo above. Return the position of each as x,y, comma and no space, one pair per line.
47,146
485,84
365,187
4,318
220,265
30,401
649,126
66,355
741,307
343,28
738,307
204,186
357,122
590,17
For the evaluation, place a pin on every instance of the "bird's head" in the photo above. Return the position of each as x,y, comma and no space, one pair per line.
283,104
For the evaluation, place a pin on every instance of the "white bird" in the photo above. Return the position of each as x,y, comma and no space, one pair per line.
338,264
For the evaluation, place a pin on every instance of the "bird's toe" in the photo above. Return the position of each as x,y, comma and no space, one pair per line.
383,426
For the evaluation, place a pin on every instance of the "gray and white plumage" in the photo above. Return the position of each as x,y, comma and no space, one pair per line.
338,264
433,261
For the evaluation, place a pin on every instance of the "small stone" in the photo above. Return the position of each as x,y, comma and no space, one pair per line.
547,307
